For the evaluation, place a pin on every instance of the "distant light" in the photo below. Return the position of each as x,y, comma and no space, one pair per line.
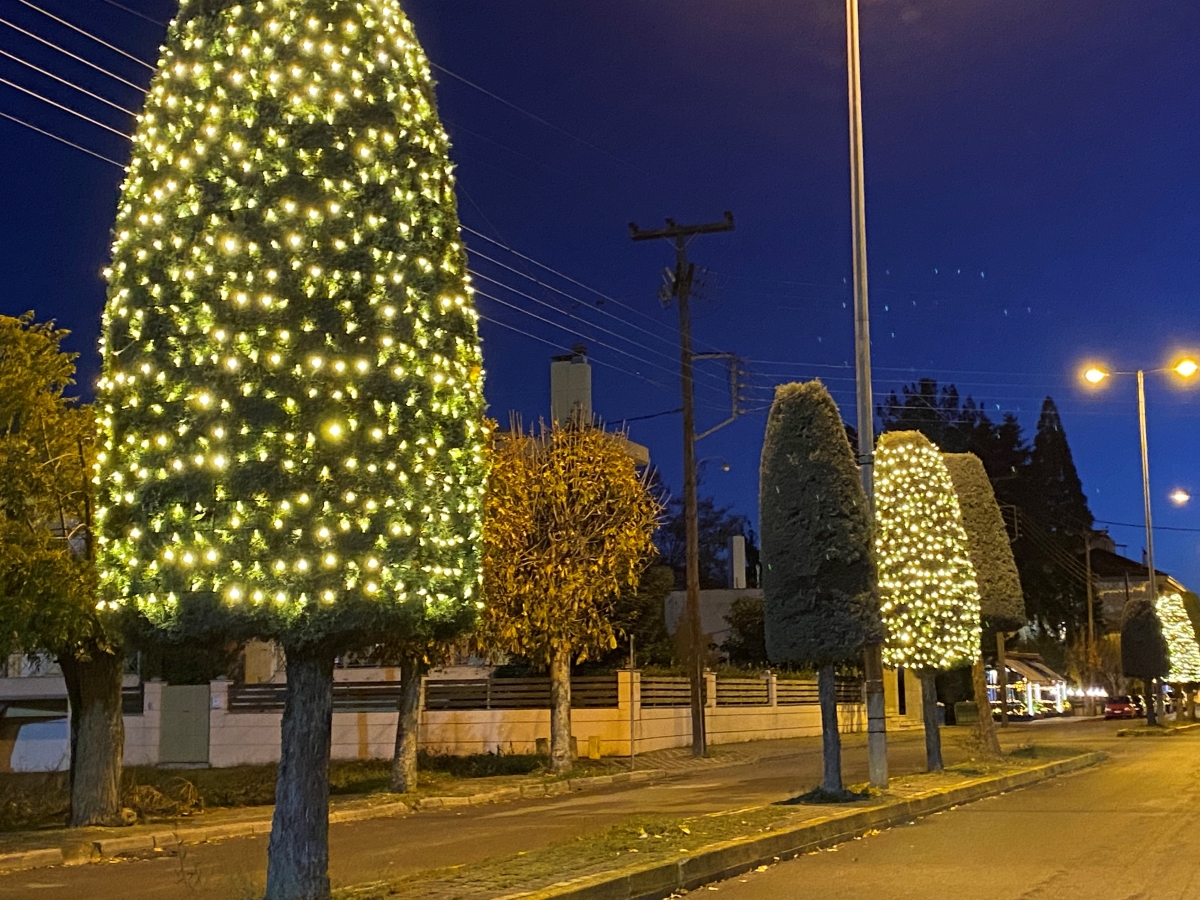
1094,375
1179,496
1187,367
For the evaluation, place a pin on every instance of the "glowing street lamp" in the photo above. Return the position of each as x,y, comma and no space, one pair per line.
1094,375
1179,496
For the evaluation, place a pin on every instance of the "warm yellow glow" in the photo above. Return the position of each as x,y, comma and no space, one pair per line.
1093,375
1187,367
1179,496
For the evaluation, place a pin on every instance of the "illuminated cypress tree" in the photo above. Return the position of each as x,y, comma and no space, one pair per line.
1182,649
927,590
291,394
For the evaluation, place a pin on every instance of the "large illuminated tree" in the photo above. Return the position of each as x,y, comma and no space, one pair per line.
1182,649
291,392
819,596
927,589
1001,603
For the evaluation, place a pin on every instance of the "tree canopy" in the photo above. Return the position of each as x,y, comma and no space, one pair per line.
1001,603
820,605
291,392
569,523
1143,647
928,593
47,441
1183,653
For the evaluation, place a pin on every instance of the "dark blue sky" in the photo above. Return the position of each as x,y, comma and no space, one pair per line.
1033,200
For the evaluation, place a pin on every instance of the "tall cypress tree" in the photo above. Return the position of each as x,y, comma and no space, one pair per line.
291,392
1052,498
820,601
1054,483
1001,603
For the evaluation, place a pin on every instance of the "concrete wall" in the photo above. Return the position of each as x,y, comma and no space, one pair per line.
253,738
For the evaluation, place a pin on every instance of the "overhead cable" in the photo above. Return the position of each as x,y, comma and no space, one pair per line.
89,35
69,84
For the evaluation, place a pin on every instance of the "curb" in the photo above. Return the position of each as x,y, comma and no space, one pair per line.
718,862
141,844
1165,732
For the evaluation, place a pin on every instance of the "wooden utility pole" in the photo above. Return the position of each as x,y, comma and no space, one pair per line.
681,289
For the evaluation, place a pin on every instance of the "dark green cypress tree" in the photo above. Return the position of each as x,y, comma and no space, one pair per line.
1053,481
1144,648
1001,603
819,589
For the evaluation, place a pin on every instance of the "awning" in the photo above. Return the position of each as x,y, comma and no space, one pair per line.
1034,671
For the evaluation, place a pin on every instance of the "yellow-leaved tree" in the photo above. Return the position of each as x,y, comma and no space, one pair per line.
568,524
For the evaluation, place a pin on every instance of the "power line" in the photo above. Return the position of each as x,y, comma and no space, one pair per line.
134,12
68,83
64,108
533,116
73,56
553,324
1143,526
61,140
88,34
577,300
568,278
558,346
619,337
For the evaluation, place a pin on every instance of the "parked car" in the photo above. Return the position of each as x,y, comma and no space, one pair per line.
1122,706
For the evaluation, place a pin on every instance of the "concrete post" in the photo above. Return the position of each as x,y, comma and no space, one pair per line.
772,689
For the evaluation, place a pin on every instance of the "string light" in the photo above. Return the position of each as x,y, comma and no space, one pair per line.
291,395
1177,629
928,594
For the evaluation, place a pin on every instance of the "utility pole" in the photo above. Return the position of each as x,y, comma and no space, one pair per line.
679,234
872,653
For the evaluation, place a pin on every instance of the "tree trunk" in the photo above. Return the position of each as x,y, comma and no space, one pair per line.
298,852
97,736
831,738
1002,678
1160,701
560,711
933,735
1191,702
1151,712
987,727
404,761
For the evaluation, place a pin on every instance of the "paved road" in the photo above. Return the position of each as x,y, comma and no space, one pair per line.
390,848
1127,829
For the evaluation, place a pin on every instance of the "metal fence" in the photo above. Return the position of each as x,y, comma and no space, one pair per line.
742,692
587,692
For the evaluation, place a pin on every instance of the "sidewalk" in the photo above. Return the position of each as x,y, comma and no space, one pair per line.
662,858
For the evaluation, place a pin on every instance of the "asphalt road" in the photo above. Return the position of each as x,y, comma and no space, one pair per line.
1124,830
390,848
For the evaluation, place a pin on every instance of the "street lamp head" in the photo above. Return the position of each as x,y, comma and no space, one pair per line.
1094,375
1187,367
1179,496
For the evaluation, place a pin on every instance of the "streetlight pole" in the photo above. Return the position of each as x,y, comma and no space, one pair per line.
1185,368
1151,572
872,653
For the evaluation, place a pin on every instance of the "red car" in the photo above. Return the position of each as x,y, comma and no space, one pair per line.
1122,707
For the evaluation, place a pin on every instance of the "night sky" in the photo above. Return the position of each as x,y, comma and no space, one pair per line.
1033,201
